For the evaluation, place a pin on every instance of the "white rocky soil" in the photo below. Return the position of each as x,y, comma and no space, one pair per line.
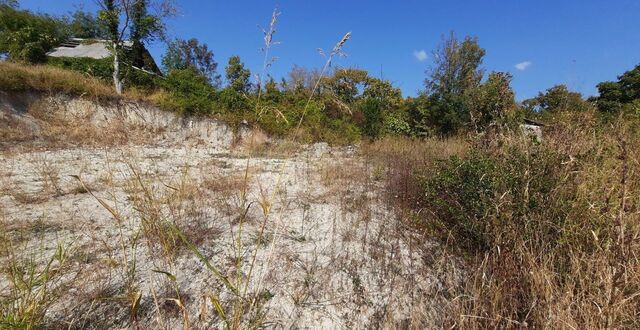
327,252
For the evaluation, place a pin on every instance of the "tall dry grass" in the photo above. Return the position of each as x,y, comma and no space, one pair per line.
42,78
550,231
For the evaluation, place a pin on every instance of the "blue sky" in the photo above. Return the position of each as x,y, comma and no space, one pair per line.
542,43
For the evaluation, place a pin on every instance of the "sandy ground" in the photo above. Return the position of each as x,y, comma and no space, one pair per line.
302,239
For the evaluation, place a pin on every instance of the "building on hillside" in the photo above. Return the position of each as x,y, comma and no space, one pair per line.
98,49
532,128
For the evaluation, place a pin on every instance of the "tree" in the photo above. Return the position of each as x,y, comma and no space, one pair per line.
122,16
190,54
555,99
373,117
390,97
85,25
26,36
345,84
616,95
237,75
457,66
272,93
455,74
492,102
110,17
144,28
300,79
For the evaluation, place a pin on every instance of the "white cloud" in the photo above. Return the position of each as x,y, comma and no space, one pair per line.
420,55
523,65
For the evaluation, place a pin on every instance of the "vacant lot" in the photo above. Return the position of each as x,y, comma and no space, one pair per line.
158,234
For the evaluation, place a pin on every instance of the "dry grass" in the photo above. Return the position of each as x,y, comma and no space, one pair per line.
17,78
549,231
46,123
399,160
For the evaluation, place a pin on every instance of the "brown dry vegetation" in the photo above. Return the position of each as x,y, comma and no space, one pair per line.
47,125
17,78
550,230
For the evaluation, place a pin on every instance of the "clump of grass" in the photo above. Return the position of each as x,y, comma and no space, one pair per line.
35,281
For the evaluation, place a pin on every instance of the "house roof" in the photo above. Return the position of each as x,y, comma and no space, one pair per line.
76,47
533,123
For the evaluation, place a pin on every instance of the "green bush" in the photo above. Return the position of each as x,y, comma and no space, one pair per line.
27,36
490,199
101,69
230,100
459,194
396,123
189,92
373,117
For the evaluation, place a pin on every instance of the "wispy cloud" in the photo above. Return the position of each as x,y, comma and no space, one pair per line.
420,55
523,65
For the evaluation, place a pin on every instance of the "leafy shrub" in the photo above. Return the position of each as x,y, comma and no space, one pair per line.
373,117
101,69
141,80
189,92
230,100
26,36
544,227
460,196
396,123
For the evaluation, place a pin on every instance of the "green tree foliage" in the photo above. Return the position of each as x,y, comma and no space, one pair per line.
623,94
345,84
190,92
373,117
384,92
493,102
27,36
455,74
190,54
417,110
115,16
392,118
271,91
556,99
85,25
237,75
144,29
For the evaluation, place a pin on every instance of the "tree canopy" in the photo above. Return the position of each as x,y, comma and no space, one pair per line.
621,95
190,54
26,36
237,75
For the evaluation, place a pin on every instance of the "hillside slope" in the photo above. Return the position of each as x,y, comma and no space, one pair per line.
168,221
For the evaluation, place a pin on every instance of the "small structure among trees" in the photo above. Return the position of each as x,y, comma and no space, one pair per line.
532,128
98,50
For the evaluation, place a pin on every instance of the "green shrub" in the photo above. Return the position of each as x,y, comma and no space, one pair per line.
373,117
491,198
101,69
189,92
27,36
230,100
460,194
396,123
